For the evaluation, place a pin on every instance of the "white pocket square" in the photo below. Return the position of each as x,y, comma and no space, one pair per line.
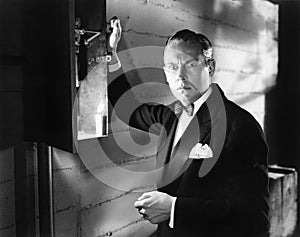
200,151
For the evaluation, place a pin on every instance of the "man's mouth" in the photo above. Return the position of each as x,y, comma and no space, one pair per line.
183,88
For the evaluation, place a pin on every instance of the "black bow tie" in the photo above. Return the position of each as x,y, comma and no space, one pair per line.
189,109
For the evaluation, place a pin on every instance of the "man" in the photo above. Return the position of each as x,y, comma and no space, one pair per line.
221,188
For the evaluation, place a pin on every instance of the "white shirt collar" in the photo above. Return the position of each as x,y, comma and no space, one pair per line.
184,119
201,100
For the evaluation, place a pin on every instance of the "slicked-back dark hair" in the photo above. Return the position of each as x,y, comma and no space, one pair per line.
193,38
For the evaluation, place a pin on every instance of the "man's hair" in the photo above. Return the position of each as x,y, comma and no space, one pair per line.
190,37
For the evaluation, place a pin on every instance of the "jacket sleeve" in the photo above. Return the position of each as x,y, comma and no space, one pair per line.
124,105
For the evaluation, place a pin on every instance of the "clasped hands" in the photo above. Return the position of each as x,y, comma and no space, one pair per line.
154,206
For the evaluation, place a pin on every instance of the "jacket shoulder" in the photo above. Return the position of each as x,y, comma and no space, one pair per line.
240,116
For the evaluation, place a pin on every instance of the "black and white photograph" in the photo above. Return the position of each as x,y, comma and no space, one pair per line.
149,118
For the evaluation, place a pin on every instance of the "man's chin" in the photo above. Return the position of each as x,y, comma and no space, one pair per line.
184,100
184,90
182,96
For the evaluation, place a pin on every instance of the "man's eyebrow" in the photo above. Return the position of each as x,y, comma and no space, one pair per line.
192,59
169,63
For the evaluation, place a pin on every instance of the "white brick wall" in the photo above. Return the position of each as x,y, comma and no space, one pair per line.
85,206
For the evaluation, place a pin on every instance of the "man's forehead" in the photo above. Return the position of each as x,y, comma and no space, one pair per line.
181,50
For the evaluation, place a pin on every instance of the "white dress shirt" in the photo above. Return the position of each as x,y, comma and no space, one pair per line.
183,122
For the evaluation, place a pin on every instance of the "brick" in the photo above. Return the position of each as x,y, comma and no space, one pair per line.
66,177
136,229
118,147
66,223
66,190
241,82
66,185
98,194
102,219
110,182
64,160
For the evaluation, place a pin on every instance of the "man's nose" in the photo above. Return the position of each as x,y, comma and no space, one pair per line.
180,78
180,81
180,74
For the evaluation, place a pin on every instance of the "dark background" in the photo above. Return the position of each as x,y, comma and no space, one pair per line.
282,118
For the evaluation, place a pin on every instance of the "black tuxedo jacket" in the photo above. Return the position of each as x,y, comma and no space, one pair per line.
223,196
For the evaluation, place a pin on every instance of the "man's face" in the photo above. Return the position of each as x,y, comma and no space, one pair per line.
186,72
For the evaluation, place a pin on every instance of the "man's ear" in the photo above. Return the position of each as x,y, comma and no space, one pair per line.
211,64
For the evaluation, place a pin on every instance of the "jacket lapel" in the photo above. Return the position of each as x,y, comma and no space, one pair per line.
214,132
201,129
176,162
200,122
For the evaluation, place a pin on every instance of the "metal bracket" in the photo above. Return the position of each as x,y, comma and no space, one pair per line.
80,32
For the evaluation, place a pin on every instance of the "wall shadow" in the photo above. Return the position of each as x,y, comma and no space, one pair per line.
282,120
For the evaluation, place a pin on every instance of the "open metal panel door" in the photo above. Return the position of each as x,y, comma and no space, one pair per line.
91,101
50,65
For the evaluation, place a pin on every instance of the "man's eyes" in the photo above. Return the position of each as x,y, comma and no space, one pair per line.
189,65
172,67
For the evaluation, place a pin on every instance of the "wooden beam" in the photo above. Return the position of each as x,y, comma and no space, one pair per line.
24,190
45,190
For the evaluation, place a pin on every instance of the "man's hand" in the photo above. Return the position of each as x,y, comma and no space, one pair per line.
116,34
154,206
114,38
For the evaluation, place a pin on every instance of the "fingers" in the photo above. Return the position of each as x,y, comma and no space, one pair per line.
116,25
154,218
154,206
145,195
141,204
119,25
143,213
144,200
